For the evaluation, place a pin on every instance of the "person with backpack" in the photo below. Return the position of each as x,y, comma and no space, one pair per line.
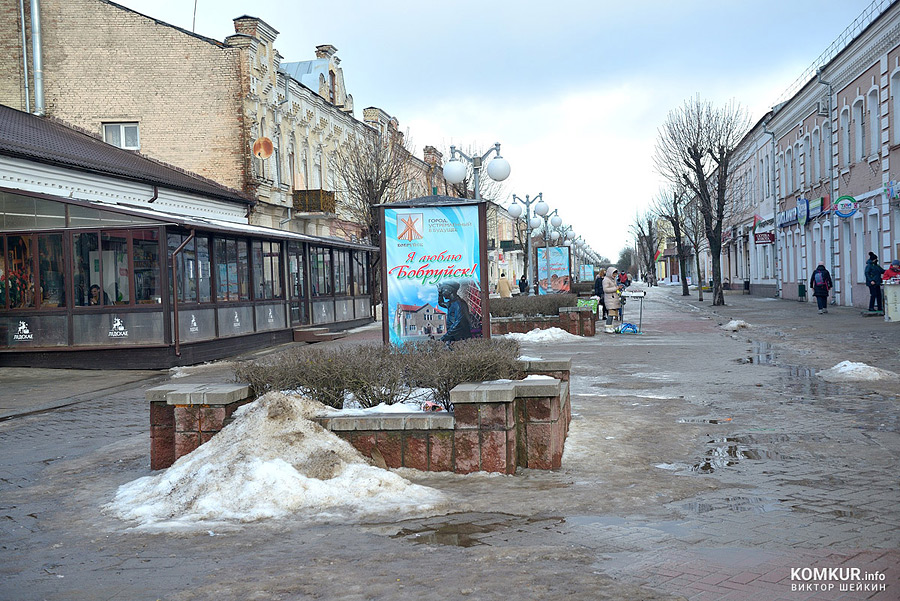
873,281
821,285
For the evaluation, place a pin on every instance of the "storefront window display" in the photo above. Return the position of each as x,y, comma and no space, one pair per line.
52,271
20,275
114,261
147,288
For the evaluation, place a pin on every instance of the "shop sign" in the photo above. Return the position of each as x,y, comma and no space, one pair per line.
802,211
846,206
434,273
817,206
195,329
786,218
118,329
23,333
553,270
764,237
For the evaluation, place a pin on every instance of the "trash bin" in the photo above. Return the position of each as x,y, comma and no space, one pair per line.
801,292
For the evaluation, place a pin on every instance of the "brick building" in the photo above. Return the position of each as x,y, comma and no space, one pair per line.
197,103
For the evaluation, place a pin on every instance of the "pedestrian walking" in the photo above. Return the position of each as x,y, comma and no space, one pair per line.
503,286
598,291
523,284
821,285
873,272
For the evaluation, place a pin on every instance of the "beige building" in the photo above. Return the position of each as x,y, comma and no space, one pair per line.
231,111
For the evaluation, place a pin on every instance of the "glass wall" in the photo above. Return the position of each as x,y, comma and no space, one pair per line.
320,270
267,269
341,272
360,273
232,276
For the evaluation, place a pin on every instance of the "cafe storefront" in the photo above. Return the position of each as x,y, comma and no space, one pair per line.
85,284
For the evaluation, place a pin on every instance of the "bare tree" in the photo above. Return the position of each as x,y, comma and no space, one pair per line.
373,169
646,233
668,206
695,149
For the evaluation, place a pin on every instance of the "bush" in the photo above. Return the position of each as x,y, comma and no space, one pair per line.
547,304
377,374
432,365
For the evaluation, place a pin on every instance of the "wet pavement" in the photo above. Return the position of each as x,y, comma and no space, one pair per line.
701,464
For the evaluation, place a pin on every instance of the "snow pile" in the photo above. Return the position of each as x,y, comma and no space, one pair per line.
271,462
848,371
735,324
548,335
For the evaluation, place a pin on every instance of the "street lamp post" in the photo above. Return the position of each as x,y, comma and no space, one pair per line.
455,170
540,209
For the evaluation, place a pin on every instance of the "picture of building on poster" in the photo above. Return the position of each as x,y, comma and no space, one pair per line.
433,273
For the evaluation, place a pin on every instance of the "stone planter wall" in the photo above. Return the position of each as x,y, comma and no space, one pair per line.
495,427
580,321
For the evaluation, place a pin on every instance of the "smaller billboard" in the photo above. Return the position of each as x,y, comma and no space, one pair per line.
553,270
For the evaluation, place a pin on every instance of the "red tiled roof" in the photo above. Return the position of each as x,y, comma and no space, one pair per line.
414,308
45,140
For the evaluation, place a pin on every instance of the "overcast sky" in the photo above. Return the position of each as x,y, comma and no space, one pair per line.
574,90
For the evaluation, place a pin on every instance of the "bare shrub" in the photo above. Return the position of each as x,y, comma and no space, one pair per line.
375,375
547,304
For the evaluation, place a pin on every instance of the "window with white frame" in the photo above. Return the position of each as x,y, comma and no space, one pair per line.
761,180
781,183
768,175
859,246
807,162
798,180
874,124
817,157
123,135
895,106
859,131
789,171
845,137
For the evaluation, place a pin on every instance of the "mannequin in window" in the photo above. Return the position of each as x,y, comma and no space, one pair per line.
94,296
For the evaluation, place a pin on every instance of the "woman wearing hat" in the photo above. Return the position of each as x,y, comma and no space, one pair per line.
611,299
891,272
873,281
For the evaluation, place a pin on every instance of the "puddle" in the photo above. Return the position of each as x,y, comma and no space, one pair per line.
729,451
703,420
737,504
455,535
763,353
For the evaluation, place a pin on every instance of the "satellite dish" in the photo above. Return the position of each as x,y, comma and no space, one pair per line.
263,148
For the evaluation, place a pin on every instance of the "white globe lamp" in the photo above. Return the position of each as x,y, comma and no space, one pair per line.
514,210
454,172
498,169
556,221
541,208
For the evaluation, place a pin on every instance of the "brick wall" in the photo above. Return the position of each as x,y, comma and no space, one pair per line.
580,321
104,63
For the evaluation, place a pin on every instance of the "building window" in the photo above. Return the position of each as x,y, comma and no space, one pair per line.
360,272
266,269
789,171
768,175
874,124
807,163
845,137
895,106
123,135
859,131
320,271
341,272
816,157
232,277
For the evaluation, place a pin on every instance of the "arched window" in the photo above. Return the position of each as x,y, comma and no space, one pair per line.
859,131
845,137
895,106
317,171
874,124
788,171
816,151
768,175
807,163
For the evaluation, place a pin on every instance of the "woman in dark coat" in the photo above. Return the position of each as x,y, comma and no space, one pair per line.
821,285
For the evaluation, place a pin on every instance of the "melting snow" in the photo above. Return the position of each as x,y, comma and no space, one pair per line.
548,335
271,462
735,324
848,371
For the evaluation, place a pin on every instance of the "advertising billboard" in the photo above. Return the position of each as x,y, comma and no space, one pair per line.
553,270
586,273
433,273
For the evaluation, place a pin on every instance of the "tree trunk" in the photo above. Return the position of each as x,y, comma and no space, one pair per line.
682,265
718,291
699,278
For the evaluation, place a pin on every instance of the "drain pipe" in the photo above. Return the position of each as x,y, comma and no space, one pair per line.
175,290
775,262
36,58
25,57
830,178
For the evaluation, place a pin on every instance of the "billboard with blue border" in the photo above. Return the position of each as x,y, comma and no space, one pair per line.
433,273
553,270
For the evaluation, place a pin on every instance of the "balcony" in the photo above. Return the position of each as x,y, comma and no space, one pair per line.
313,201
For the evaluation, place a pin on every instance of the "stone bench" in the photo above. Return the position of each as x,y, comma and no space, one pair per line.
184,416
